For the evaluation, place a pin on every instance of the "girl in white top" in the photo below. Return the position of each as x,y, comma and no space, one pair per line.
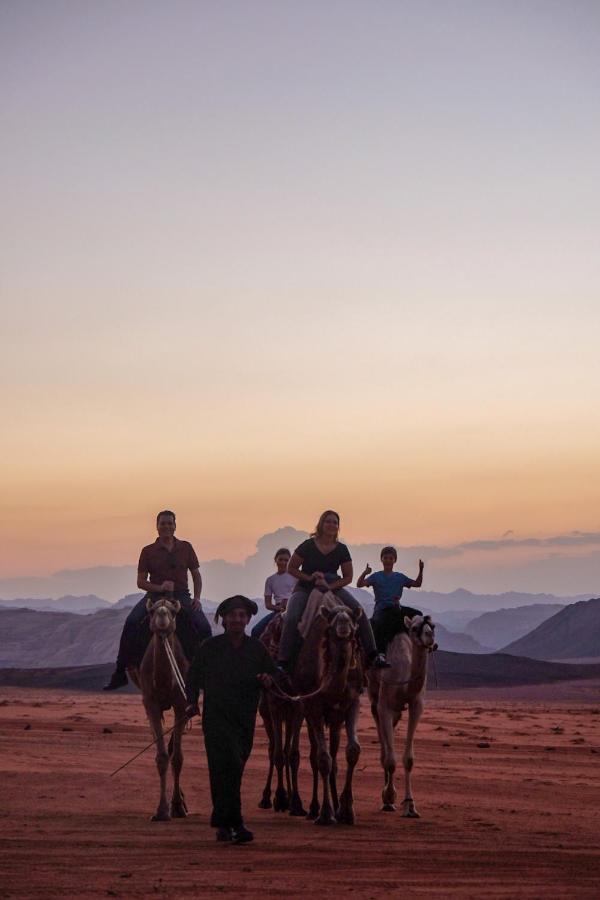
278,590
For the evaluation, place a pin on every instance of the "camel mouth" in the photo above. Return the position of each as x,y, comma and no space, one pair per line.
163,623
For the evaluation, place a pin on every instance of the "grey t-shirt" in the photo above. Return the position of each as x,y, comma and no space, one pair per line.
280,587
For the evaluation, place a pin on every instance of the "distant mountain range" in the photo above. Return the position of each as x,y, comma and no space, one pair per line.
87,604
573,633
34,638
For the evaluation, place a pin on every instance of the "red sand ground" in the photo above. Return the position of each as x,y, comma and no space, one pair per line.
518,819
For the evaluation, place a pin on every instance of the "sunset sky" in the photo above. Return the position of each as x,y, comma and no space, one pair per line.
264,258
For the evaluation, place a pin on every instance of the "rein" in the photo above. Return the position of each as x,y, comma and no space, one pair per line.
174,667
152,743
297,698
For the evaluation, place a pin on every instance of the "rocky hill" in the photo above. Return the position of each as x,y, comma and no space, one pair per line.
502,626
573,633
68,603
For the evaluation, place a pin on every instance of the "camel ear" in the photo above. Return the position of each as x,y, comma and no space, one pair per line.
149,602
356,613
407,622
327,614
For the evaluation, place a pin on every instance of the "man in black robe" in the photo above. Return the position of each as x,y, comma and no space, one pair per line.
230,669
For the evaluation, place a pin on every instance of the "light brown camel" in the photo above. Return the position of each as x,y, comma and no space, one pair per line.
390,692
160,691
330,672
282,720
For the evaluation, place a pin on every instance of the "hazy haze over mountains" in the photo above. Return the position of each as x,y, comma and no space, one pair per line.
448,569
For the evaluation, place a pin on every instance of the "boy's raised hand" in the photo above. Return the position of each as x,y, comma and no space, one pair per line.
368,570
421,565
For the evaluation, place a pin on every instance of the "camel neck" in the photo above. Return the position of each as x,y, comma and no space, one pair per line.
335,676
418,661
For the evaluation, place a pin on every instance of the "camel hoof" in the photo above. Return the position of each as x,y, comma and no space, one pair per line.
411,814
344,818
161,817
313,812
298,811
281,802
178,811
324,820
388,807
265,803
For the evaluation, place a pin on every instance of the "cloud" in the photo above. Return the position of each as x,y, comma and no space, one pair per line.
555,569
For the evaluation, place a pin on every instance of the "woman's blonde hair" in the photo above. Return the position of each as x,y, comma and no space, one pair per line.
319,526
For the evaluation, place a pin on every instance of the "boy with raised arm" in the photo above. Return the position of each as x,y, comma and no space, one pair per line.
388,615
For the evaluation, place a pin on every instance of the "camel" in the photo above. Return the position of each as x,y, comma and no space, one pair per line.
329,676
281,716
390,692
160,691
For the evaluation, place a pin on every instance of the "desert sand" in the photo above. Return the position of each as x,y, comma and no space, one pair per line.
507,786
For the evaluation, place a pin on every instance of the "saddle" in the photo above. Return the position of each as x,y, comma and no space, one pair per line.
271,636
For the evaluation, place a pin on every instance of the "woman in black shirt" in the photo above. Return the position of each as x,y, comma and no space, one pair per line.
315,563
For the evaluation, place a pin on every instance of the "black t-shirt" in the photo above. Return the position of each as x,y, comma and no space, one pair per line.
315,561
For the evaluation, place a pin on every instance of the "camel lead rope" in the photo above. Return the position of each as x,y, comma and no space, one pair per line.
434,670
151,744
175,668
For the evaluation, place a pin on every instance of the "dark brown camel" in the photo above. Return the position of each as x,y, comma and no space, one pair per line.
282,719
160,691
329,675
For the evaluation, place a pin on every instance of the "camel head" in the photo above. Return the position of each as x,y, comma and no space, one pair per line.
421,630
162,615
342,621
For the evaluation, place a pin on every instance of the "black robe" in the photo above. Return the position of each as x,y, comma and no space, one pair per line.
227,675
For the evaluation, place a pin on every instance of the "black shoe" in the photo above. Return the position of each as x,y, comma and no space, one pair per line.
379,662
224,835
117,680
241,835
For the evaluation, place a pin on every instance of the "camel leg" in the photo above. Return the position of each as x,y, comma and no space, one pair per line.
162,763
325,816
286,716
415,710
280,802
265,711
388,758
313,810
345,812
178,806
334,745
295,719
